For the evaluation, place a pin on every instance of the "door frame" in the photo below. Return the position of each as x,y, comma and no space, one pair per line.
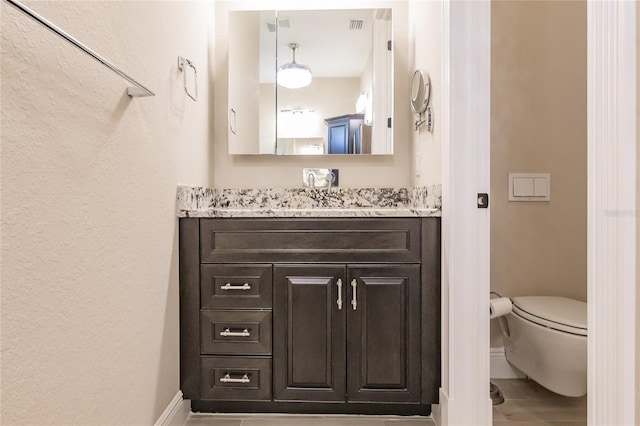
612,214
611,211
464,395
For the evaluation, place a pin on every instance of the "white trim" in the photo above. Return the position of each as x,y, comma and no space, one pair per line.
176,413
465,228
440,411
500,367
611,258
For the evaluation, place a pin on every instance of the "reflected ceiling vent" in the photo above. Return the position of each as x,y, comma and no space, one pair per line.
356,24
282,23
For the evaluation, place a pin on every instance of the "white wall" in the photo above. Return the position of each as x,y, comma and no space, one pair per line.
261,171
89,231
637,216
426,51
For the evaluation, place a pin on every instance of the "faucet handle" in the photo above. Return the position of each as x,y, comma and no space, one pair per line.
330,177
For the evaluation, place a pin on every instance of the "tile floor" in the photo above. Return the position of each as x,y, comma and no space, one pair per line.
307,420
526,404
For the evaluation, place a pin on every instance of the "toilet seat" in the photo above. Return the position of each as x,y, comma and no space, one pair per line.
558,313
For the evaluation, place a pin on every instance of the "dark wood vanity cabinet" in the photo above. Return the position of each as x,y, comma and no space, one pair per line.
347,333
310,315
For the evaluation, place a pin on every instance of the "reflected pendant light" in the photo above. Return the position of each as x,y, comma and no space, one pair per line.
293,75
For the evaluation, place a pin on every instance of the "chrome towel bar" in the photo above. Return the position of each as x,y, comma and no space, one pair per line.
138,91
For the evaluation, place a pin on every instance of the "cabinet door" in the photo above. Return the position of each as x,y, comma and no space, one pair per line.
383,332
339,138
309,333
244,87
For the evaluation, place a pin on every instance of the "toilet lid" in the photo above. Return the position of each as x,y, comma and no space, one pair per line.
559,313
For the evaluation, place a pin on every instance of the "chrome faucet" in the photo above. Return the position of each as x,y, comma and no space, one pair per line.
311,180
317,178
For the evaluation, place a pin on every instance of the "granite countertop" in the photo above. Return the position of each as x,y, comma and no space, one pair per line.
424,201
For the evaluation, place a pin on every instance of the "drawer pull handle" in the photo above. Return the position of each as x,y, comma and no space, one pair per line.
354,302
229,286
339,293
228,333
228,379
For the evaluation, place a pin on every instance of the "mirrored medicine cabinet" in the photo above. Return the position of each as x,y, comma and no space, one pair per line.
346,108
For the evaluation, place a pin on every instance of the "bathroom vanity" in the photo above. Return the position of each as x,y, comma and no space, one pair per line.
311,312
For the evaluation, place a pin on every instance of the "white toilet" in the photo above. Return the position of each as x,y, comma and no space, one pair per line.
546,339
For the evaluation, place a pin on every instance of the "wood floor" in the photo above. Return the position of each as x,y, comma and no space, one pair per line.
526,404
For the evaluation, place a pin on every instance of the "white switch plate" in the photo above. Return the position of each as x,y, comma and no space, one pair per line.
529,187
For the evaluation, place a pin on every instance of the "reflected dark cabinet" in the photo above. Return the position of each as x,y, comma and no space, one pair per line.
310,315
344,134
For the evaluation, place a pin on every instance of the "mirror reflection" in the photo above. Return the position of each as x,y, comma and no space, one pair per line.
339,98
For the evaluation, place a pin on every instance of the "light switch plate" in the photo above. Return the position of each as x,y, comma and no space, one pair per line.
529,187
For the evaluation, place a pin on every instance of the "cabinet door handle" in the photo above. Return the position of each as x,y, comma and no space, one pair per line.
354,301
233,122
339,302
229,286
228,379
228,333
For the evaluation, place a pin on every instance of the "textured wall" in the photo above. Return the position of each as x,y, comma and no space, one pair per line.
426,48
538,125
88,182
260,171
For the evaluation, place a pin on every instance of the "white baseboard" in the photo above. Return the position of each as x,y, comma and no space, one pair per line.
176,413
440,410
500,367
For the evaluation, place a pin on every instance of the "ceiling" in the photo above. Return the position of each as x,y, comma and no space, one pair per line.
327,45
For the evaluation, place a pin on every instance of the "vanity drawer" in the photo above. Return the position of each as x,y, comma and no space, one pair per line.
234,378
310,240
242,286
235,332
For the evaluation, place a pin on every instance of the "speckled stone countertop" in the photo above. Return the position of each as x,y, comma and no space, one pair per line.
423,201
